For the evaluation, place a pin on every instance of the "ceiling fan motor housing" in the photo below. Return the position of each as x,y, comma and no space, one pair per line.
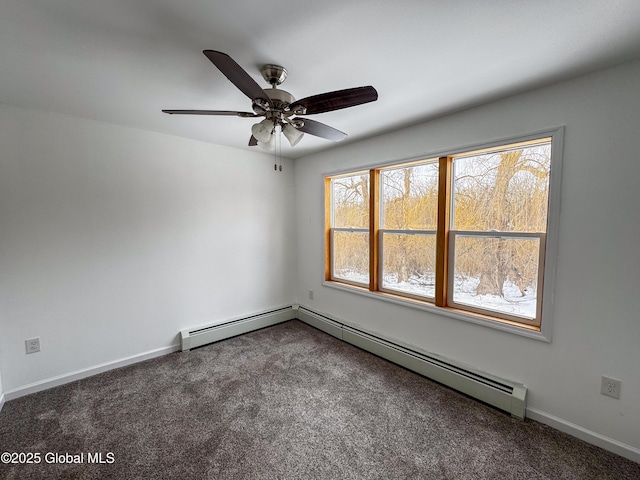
280,101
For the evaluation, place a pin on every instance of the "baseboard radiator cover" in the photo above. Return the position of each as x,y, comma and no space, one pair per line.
500,393
197,337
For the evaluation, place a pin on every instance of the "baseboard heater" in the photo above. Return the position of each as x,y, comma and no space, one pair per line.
503,394
204,335
500,393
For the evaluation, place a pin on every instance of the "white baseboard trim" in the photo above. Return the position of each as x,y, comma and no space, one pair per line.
609,444
86,372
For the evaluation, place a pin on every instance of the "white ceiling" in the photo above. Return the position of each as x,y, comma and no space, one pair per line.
122,61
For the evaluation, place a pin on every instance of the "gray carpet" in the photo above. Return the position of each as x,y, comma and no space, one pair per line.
286,402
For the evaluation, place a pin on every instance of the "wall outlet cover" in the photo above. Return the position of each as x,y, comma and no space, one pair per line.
610,387
32,345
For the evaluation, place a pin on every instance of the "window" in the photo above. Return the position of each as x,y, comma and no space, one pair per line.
350,228
499,223
464,232
407,237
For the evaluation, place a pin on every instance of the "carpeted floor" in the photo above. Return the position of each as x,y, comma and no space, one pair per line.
286,402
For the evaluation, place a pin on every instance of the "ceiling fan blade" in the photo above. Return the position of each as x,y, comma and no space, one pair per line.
210,112
253,141
326,102
236,75
321,130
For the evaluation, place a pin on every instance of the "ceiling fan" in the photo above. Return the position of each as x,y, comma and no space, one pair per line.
280,109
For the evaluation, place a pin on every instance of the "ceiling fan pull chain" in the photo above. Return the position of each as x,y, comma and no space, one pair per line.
279,145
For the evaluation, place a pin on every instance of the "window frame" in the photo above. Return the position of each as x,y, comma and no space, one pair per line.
398,231
334,277
331,229
445,234
502,235
395,291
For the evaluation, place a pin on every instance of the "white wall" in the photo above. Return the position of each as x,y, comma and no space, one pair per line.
596,326
113,239
1,394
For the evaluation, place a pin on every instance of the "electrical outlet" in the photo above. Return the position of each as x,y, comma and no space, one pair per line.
610,387
33,345
310,294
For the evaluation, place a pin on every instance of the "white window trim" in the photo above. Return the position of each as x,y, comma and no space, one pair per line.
550,254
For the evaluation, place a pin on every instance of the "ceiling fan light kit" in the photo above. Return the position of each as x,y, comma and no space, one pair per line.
279,106
269,145
292,134
263,130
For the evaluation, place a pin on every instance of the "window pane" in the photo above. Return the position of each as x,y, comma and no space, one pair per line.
497,274
408,263
410,197
351,256
505,191
350,201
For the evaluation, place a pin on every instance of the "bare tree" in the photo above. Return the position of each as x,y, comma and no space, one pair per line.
500,209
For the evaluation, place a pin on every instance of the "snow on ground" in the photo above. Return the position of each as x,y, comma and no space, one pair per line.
464,293
513,303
